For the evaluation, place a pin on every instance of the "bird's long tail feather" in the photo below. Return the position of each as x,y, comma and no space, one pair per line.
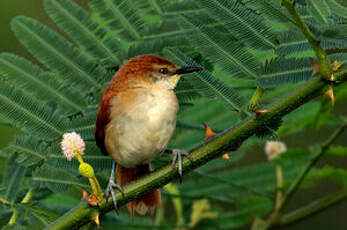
148,202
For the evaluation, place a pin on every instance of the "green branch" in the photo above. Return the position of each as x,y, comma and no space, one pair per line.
313,208
204,153
321,55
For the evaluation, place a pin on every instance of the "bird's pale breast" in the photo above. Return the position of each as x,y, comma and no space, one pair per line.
142,123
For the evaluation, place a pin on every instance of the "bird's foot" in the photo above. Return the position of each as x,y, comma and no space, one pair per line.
110,191
177,157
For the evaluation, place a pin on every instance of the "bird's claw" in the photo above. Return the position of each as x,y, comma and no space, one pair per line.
110,191
177,157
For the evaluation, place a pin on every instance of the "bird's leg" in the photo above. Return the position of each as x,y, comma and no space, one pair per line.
111,186
177,157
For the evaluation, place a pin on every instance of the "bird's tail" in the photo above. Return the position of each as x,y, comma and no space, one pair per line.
148,202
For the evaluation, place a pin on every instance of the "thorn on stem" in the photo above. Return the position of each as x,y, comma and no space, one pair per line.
259,111
330,94
314,65
209,132
84,194
93,200
97,220
336,65
226,156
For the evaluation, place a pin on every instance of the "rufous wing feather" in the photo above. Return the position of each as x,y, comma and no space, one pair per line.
103,119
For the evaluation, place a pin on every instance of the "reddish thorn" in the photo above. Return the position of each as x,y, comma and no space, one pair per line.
84,194
226,156
93,200
330,94
209,132
314,65
97,220
259,111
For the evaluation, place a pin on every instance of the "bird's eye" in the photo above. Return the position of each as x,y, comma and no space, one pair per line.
163,70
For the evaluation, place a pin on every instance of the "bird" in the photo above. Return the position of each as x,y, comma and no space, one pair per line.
136,120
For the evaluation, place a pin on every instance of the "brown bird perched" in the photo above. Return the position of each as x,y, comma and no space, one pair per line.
136,119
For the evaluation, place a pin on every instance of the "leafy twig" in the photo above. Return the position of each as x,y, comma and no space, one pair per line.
321,55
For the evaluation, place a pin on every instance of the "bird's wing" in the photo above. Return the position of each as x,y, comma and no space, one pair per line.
103,119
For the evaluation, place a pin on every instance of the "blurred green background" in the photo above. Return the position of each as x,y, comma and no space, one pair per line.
333,218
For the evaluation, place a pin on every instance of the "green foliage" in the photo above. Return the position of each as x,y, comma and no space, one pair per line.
206,84
56,179
43,85
240,44
12,179
285,70
28,113
86,32
58,54
243,23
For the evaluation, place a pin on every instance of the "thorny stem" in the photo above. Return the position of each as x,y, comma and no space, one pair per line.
324,63
211,149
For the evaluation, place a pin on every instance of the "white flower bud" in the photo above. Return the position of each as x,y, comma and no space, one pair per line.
274,148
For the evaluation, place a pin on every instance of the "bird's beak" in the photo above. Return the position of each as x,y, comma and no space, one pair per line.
187,69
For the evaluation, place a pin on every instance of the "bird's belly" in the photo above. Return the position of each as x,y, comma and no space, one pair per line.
140,132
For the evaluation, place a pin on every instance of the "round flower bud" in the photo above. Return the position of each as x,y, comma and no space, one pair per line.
86,170
274,148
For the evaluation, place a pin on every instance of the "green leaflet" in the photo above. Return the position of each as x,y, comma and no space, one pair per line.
283,71
231,55
337,175
320,11
88,34
337,7
254,179
271,10
29,114
243,23
337,150
38,213
56,180
12,180
28,150
293,41
207,84
246,210
44,85
84,125
123,17
58,54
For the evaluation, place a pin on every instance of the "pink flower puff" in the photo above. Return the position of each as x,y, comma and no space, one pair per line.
72,145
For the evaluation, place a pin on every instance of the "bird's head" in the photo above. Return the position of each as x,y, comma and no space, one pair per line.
154,70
